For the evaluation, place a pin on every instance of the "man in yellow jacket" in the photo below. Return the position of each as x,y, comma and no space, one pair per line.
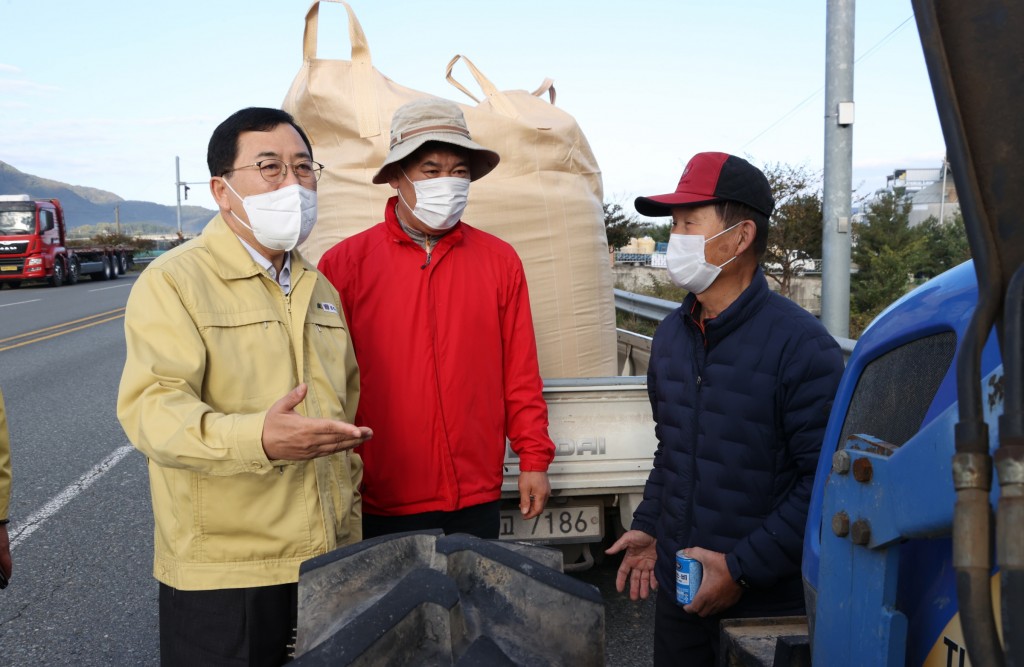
5,496
239,387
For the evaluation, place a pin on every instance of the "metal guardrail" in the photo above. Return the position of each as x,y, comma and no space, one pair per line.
640,258
654,309
644,307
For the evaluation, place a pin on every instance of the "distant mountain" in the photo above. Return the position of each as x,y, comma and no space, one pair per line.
89,206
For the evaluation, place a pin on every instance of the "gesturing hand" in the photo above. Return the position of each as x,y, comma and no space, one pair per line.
637,565
288,436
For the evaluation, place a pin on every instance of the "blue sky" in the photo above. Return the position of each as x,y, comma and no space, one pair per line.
106,93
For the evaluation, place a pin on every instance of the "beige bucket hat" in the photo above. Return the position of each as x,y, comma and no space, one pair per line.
434,119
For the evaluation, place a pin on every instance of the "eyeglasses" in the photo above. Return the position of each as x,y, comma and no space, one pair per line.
275,171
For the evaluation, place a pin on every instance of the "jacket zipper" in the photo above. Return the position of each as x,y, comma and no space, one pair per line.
700,351
426,246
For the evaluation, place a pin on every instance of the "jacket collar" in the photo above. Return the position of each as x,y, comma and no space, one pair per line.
232,260
739,311
394,227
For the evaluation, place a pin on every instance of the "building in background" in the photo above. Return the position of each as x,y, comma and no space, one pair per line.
932,192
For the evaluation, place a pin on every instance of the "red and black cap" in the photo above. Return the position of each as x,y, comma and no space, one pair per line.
710,178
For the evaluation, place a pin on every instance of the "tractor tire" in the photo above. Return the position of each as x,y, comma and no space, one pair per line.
423,598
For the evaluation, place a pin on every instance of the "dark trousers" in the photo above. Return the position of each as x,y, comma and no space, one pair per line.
687,639
480,520
681,638
233,626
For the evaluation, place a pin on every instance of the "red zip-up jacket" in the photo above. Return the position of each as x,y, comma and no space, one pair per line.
448,365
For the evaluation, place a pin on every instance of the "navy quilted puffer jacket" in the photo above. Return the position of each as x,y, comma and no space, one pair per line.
741,411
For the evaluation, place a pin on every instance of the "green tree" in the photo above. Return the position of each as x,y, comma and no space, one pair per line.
944,245
887,252
620,227
660,233
794,230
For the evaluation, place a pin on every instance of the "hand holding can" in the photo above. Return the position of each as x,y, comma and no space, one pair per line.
689,573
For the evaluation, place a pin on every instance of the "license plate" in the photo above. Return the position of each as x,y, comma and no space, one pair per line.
563,523
8,268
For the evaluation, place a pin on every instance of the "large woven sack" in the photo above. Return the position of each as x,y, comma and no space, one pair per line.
544,197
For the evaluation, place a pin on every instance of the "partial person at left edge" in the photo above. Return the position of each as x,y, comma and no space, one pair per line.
239,387
6,567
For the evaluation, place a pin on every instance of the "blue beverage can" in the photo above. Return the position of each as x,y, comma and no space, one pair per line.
689,573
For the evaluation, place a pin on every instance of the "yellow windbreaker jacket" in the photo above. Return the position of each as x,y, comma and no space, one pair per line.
212,343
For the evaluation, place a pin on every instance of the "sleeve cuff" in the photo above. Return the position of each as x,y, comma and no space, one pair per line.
249,443
736,572
644,527
732,562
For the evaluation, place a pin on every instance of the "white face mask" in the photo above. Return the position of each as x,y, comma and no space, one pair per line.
279,219
686,264
440,201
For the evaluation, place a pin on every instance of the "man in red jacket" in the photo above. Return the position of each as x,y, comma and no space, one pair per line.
440,321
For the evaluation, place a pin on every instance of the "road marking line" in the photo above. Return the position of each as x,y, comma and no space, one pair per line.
35,520
18,303
60,326
100,289
60,333
64,324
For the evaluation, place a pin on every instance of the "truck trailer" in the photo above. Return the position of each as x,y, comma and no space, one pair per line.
33,246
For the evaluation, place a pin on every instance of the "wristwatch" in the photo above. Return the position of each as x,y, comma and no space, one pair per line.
742,581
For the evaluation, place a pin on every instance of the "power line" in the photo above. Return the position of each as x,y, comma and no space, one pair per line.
817,92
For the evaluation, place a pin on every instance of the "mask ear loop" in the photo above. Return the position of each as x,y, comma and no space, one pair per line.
231,210
722,266
402,199
723,232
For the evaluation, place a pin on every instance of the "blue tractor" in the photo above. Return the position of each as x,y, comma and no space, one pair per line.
914,551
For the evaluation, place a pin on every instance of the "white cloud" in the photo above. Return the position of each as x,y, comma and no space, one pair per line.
18,85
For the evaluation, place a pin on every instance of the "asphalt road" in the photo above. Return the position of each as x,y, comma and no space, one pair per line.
82,591
81,529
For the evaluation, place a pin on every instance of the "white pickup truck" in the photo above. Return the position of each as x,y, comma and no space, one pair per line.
604,447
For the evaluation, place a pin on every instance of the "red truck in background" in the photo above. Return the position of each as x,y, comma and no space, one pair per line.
33,246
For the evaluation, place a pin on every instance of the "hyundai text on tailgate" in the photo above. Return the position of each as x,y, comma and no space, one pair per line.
604,447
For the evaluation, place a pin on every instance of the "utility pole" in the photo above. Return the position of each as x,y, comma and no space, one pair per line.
942,201
177,190
117,218
838,171
178,185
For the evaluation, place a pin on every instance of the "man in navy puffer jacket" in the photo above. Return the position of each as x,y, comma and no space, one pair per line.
741,381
